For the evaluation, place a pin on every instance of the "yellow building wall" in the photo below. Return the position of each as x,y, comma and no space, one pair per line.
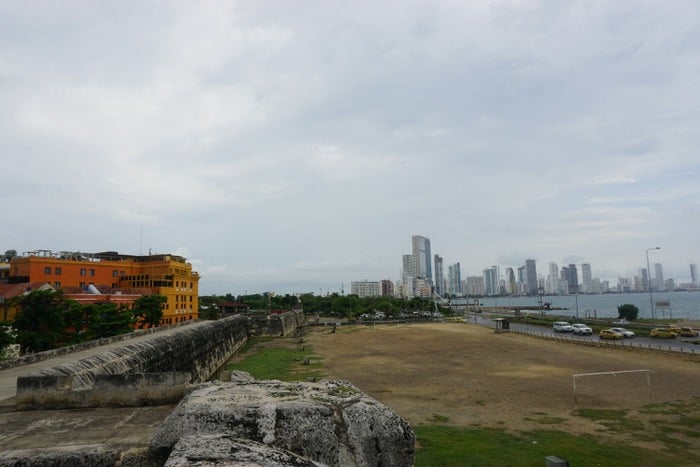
167,275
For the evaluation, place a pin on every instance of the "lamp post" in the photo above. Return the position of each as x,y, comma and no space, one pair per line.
651,296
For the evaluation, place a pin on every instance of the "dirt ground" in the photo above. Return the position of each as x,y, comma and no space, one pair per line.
467,375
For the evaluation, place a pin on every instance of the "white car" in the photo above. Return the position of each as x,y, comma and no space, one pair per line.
582,329
562,326
625,333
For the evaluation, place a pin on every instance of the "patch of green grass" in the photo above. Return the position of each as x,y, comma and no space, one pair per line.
280,363
451,446
601,414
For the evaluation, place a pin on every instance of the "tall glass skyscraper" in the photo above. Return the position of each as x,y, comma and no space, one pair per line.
454,281
531,272
586,278
421,250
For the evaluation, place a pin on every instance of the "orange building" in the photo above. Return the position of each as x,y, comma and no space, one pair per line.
163,274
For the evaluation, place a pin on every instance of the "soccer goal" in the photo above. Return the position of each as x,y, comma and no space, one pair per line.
612,388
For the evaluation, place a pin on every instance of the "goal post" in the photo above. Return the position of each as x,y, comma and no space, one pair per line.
605,386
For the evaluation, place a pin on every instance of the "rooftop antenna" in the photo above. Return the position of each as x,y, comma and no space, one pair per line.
140,240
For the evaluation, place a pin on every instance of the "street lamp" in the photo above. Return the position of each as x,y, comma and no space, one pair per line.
651,296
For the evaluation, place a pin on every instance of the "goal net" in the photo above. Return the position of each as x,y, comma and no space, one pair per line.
627,388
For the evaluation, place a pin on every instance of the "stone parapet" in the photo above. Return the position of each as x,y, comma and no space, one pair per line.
193,354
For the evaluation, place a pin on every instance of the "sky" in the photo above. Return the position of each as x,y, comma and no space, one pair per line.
296,146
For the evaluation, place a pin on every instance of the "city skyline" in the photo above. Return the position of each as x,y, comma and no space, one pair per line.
293,147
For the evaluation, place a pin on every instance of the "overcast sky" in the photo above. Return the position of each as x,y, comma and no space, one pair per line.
297,146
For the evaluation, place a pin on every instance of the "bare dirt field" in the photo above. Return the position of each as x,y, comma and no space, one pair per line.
467,375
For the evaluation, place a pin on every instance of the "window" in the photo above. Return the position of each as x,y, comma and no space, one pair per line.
115,273
92,272
57,285
47,270
58,271
82,285
83,272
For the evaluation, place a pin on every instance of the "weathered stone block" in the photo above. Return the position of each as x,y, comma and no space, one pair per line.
330,422
220,450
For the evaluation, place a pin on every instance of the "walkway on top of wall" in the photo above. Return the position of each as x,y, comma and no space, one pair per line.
8,377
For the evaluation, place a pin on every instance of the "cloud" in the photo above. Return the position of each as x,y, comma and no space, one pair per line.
300,146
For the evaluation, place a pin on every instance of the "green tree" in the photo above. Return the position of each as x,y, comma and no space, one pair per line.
41,325
77,320
628,312
9,254
6,337
210,312
149,309
108,319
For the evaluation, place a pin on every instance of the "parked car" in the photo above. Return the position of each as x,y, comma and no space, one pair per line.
621,322
663,333
582,329
685,331
626,333
610,334
562,326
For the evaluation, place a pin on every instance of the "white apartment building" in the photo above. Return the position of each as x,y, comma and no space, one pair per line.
366,288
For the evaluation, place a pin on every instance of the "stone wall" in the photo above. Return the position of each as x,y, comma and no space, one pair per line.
283,325
164,367
48,354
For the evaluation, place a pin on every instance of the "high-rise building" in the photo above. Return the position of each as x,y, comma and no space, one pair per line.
531,275
645,279
511,285
587,278
409,266
421,250
694,274
454,280
475,286
439,276
659,283
570,275
491,279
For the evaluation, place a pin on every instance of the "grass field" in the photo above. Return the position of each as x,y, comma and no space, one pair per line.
457,431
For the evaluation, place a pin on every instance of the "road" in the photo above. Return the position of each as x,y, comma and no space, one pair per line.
685,345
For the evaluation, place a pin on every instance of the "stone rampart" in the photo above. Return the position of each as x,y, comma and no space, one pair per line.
143,373
283,324
48,354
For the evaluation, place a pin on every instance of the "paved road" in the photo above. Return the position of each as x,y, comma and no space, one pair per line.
8,377
674,345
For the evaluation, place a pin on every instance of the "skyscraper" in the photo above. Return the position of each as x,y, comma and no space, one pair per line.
421,250
454,280
570,275
491,278
409,266
511,285
439,276
659,277
531,273
587,278
694,274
